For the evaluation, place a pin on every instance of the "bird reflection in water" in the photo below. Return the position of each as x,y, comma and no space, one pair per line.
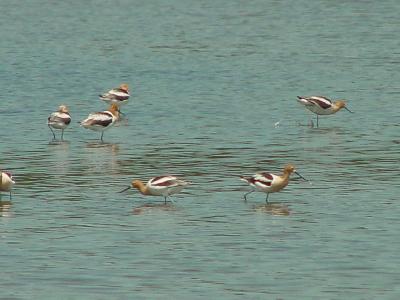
102,156
274,209
114,148
151,207
60,143
5,207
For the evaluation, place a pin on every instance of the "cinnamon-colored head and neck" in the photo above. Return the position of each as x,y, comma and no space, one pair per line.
124,87
288,170
114,109
63,109
139,185
339,104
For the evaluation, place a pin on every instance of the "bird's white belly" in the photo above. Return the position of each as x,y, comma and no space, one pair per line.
276,185
165,191
320,111
99,127
264,189
6,185
115,101
58,125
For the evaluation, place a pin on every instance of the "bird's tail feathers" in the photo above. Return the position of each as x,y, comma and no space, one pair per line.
245,179
302,100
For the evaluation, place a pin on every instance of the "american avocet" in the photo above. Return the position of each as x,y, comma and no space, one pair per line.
269,183
6,182
59,120
322,105
101,121
119,95
165,186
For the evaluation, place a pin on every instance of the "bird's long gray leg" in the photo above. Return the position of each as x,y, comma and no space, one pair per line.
245,195
54,136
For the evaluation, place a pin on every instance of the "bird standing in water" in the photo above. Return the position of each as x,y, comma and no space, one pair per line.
268,182
119,95
322,105
165,186
103,120
6,182
59,120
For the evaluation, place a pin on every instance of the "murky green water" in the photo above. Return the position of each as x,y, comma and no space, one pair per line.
209,80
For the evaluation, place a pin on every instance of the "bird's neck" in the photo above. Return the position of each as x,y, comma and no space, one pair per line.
114,112
142,188
336,107
285,176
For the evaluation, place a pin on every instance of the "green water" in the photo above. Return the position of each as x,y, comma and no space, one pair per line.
209,79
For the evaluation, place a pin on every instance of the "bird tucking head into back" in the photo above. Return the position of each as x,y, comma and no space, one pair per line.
124,87
114,109
63,109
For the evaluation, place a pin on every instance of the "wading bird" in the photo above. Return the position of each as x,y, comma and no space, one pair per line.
101,121
59,119
321,105
6,182
268,182
165,186
119,95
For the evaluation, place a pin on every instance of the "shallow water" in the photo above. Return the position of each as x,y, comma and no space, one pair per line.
209,81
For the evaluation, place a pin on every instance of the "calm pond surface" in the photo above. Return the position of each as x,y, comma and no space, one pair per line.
209,81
